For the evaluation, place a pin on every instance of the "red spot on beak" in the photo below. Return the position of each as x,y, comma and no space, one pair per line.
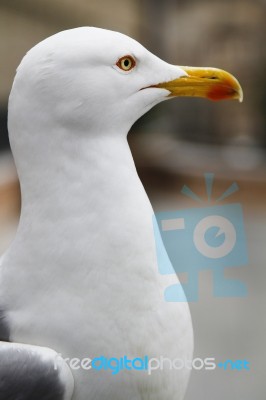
222,92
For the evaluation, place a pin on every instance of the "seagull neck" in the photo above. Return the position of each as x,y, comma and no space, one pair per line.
71,177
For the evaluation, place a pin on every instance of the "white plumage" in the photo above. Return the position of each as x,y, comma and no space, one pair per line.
81,276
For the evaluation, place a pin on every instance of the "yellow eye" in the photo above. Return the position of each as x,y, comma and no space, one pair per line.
126,63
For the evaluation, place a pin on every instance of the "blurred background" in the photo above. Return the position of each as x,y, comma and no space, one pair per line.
175,144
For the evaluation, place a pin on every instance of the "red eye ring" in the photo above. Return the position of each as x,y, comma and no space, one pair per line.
126,63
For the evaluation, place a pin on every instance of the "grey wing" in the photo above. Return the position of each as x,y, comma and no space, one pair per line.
33,373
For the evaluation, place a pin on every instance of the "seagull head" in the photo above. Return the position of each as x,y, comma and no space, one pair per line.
91,79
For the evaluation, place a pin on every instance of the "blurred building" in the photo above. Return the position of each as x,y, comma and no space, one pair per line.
223,34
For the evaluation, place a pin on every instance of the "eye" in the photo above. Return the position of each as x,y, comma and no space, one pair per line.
126,63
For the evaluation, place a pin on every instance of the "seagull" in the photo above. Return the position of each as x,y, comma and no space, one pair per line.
80,279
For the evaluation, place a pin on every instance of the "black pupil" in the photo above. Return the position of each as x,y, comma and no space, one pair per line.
126,62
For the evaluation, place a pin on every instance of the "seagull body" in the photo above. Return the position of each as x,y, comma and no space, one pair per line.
80,279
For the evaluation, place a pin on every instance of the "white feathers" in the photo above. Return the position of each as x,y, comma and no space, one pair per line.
81,275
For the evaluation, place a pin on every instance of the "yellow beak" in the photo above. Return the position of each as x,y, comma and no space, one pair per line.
210,83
